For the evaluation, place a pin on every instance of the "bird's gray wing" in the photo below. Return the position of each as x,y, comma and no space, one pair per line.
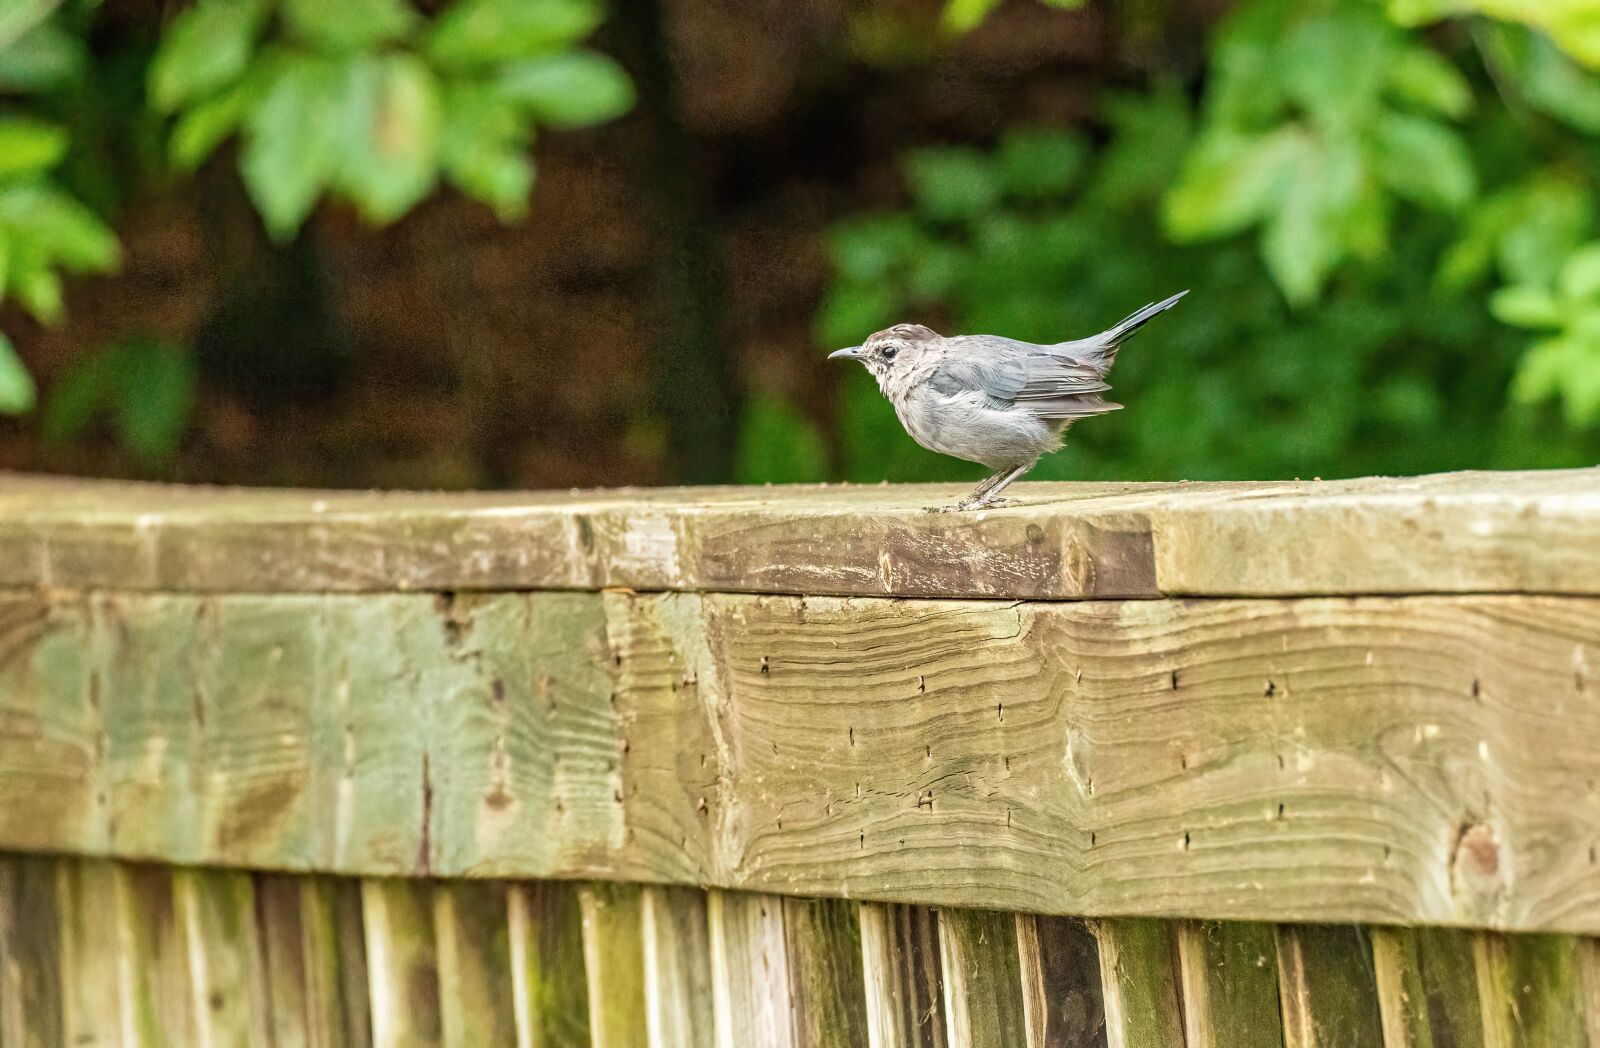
1019,374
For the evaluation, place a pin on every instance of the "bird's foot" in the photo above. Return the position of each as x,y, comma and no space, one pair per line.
971,505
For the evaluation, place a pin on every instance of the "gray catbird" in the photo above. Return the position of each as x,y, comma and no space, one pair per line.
993,400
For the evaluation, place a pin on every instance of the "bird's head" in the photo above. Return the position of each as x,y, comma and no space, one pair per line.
889,348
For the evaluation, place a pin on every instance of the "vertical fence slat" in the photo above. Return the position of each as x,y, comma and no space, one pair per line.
677,964
30,961
749,970
469,922
1427,988
549,987
1530,989
1230,985
1140,980
1327,987
90,991
152,960
982,979
402,967
1589,987
825,980
316,961
217,913
1061,984
613,959
904,980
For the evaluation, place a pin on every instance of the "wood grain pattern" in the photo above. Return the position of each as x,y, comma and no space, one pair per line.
904,980
826,985
550,989
1531,989
1230,985
315,961
677,962
475,998
402,963
1427,988
153,971
750,980
1464,532
91,996
31,995
983,996
613,956
1360,760
1061,984
217,913
1327,987
1140,982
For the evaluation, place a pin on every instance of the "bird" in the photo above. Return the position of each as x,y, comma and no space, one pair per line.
990,399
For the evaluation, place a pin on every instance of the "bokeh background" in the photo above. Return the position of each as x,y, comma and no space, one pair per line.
547,243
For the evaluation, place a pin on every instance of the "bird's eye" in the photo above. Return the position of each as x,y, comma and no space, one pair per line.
889,352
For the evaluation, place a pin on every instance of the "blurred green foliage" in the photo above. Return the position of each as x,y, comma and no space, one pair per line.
365,100
1342,201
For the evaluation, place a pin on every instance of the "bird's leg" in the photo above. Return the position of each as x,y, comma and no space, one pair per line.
984,494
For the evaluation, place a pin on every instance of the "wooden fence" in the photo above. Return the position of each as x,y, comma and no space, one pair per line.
1140,765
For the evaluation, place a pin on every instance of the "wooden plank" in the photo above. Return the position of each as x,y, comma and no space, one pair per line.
91,995
316,966
900,959
1140,980
1314,760
550,991
153,971
613,960
1427,988
1230,985
826,985
677,966
475,996
1061,982
1464,532
227,977
402,966
31,994
1531,990
983,994
750,980
1327,987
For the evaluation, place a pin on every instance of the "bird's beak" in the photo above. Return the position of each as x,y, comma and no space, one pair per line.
848,353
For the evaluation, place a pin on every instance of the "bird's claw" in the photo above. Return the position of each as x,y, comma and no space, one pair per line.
971,505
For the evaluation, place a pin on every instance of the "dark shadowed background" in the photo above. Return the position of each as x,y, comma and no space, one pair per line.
538,243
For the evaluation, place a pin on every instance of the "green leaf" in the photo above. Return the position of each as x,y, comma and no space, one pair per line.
82,392
207,46
1334,65
1567,366
1041,162
1526,307
1580,275
29,146
349,25
57,227
574,89
1423,161
204,126
294,141
484,148
1320,218
46,57
1545,77
485,32
17,391
38,288
960,16
952,184
1427,79
851,312
1229,183
156,398
390,158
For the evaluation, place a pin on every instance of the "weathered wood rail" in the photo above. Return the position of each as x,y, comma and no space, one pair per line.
1278,764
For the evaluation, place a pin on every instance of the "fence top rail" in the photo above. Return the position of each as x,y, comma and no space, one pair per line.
1528,532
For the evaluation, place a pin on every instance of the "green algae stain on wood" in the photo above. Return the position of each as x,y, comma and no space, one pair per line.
1427,984
1532,989
1327,987
475,997
550,989
982,979
1230,985
1141,981
825,978
613,955
402,966
31,996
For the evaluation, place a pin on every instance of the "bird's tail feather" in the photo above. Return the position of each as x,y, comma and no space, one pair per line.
1106,343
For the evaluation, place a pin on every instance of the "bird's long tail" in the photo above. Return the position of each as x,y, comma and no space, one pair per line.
1103,347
